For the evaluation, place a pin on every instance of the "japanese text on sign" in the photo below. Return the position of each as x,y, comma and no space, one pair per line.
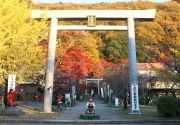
91,21
135,103
11,82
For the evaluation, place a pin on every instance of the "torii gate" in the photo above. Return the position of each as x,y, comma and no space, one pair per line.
92,15
94,79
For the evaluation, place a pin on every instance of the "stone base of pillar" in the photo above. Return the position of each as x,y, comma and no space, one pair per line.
135,112
85,92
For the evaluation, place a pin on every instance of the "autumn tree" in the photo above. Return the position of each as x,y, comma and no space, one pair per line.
116,75
147,33
170,75
20,52
153,39
76,65
161,41
80,39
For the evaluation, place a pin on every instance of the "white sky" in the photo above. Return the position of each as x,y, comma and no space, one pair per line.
89,1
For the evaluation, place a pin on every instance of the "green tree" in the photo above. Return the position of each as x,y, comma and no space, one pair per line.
20,52
116,49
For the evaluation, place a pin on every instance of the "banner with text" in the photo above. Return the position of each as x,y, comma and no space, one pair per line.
11,82
134,96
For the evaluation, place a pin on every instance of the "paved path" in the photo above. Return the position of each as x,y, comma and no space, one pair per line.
108,115
105,112
92,124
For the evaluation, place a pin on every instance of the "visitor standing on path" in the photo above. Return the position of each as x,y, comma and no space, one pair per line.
59,103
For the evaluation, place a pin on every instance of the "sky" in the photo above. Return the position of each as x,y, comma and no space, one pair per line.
89,1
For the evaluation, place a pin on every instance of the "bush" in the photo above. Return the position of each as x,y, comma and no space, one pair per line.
166,106
178,106
78,96
89,117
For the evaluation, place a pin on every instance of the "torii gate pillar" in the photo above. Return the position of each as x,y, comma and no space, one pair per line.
132,67
50,66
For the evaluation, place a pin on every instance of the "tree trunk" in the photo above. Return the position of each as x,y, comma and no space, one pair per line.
125,104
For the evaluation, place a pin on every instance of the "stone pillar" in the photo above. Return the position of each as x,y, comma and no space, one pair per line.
108,90
50,66
86,88
132,64
98,88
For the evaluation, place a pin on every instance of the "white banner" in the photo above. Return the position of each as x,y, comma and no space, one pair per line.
108,90
134,96
67,97
11,82
116,102
73,90
102,93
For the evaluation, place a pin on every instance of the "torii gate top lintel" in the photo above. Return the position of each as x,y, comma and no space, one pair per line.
94,79
100,14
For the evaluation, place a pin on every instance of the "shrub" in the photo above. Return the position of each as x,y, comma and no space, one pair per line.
166,106
78,96
178,106
89,117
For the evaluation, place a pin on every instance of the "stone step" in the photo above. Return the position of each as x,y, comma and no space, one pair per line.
12,111
137,122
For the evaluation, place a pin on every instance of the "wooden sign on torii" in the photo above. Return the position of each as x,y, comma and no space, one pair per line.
128,15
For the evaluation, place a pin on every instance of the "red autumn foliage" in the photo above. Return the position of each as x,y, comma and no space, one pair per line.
106,63
76,65
111,70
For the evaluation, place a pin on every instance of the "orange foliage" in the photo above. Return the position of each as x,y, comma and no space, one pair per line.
76,65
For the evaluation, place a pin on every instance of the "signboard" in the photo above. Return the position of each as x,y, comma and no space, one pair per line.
68,99
73,92
91,21
116,102
102,93
11,82
134,96
67,96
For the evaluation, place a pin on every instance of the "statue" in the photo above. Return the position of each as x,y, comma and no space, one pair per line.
92,93
10,98
90,111
90,107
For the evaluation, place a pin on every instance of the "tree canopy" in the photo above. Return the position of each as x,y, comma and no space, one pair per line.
76,65
151,37
20,52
